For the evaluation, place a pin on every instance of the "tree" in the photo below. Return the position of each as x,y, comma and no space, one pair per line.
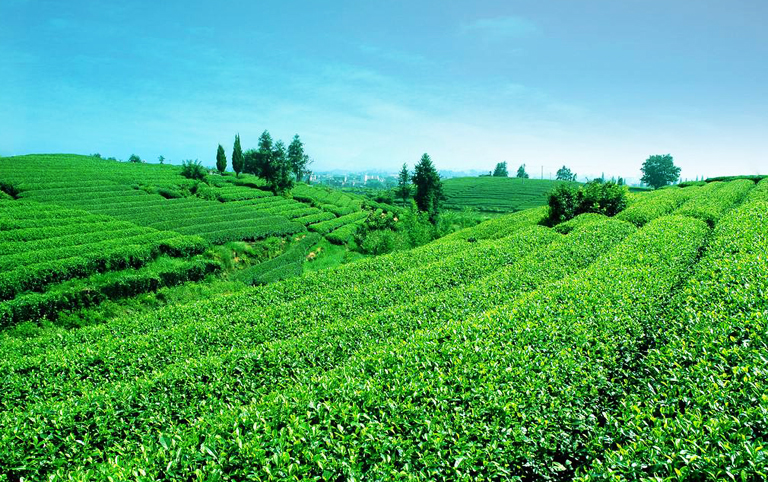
221,160
134,158
565,174
403,188
501,170
659,171
160,159
280,177
429,187
237,157
521,172
296,157
257,160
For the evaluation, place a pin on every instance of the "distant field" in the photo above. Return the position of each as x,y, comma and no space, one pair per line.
500,194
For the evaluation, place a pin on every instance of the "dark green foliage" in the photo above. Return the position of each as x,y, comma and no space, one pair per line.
597,196
521,172
221,159
9,188
297,159
160,159
260,160
501,170
134,158
565,174
429,187
607,198
278,173
403,189
659,170
237,157
193,170
563,202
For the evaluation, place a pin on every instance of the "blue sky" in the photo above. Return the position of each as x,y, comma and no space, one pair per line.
595,85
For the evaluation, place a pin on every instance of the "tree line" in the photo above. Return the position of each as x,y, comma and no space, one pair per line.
278,165
658,170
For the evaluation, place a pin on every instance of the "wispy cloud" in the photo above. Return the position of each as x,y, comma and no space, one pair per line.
501,28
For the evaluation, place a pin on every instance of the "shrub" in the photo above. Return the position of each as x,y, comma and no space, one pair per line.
193,170
597,196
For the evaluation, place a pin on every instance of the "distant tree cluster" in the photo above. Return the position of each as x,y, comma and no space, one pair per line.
565,174
424,184
521,172
501,170
272,161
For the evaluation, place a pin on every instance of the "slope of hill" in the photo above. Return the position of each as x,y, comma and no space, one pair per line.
224,208
496,194
620,350
220,209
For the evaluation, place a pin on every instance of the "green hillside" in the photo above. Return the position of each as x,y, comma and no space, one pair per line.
496,194
608,349
219,208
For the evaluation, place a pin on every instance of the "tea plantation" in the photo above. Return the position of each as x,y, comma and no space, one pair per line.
624,348
497,194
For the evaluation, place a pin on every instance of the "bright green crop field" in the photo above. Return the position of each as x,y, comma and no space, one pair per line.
496,194
612,349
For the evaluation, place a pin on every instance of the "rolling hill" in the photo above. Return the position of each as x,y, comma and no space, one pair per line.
496,194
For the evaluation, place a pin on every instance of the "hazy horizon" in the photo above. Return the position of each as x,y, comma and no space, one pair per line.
598,86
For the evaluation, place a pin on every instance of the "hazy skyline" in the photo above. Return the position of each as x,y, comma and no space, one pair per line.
595,85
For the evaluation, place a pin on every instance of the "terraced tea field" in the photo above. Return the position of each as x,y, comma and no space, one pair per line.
606,349
158,196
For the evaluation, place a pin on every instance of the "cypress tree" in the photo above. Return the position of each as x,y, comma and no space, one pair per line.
221,160
237,157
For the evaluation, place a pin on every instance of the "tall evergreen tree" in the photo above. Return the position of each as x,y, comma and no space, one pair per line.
501,170
221,160
404,184
429,187
237,157
296,157
521,172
